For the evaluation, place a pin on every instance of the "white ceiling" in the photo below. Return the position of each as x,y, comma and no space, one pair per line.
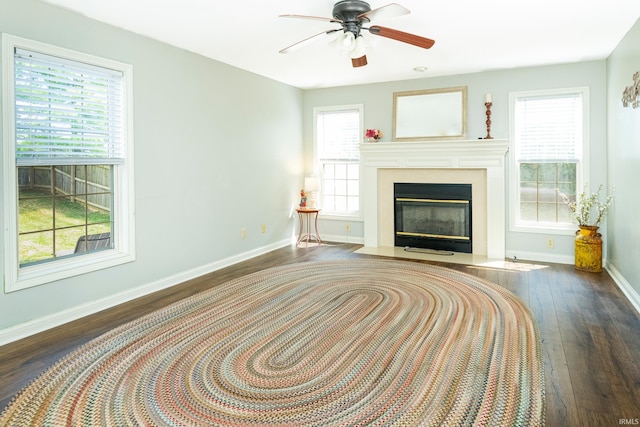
470,35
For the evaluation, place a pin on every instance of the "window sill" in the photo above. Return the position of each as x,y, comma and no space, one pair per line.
36,275
340,217
565,230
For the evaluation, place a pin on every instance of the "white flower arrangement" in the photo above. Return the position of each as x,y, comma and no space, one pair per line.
582,208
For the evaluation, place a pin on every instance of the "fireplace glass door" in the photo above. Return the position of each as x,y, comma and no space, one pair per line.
433,216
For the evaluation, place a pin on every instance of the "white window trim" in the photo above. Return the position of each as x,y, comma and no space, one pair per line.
16,278
355,216
514,179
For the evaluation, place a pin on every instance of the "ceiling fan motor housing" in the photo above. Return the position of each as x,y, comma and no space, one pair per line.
348,11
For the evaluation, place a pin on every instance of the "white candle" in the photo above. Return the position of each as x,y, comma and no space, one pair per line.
487,98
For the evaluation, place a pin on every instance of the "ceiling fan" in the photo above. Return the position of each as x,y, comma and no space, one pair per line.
352,15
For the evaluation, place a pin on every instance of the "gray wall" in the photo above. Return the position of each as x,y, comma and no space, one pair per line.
216,149
624,166
378,112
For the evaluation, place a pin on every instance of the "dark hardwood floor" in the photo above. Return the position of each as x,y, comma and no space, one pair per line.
590,333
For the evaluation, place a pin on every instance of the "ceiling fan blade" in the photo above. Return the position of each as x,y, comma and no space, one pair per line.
401,36
306,41
359,62
389,11
316,18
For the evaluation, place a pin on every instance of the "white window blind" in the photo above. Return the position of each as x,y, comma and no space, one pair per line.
549,129
67,112
339,133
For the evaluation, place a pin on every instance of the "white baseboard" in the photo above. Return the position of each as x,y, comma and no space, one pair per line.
41,324
541,257
626,288
342,239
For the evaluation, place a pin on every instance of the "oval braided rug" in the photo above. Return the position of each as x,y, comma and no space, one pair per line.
358,342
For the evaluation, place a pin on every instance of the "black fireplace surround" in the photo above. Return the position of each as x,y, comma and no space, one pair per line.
433,216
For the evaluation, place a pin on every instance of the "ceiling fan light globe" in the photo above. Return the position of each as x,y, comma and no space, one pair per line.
348,41
360,48
336,43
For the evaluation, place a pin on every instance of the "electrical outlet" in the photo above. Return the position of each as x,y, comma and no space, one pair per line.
551,243
243,233
347,227
263,228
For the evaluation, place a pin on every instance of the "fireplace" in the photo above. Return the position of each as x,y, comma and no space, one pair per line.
480,163
433,216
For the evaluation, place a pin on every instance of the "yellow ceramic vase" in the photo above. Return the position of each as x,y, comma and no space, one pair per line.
588,249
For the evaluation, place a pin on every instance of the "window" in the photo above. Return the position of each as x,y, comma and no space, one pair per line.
338,133
67,163
549,134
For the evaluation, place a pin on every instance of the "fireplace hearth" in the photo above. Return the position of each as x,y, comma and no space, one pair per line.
433,216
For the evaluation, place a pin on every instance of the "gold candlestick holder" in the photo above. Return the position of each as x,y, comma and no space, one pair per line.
488,105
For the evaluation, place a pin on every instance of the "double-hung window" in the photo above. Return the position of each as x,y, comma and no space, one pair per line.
550,139
338,133
68,165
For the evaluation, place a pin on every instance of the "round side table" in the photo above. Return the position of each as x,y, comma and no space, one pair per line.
305,217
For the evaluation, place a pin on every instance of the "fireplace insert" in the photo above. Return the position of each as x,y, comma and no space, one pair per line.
433,216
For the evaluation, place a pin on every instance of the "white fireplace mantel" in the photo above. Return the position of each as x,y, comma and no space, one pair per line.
483,154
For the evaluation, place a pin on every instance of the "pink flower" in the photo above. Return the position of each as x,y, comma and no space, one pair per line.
373,133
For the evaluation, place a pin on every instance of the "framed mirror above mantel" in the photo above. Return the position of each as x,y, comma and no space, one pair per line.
431,114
